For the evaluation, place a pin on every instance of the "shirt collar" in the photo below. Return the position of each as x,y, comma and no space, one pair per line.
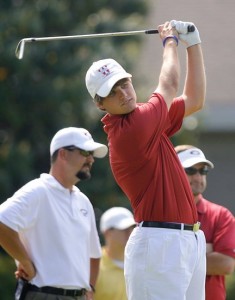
49,179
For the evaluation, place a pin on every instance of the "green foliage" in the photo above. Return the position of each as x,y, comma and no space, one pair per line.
46,91
7,279
230,287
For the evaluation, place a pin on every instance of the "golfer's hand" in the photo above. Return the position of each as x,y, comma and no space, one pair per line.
166,30
209,247
89,295
188,38
25,270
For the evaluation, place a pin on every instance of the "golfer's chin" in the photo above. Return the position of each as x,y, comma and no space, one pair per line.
129,106
83,175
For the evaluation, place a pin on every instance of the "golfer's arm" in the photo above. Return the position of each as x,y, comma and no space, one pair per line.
10,242
170,73
219,264
195,82
94,270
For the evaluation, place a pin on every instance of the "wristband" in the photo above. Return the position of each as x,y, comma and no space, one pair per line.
170,37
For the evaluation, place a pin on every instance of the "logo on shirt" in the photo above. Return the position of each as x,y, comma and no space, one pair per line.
84,212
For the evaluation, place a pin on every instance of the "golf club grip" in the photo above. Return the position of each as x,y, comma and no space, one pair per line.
151,31
191,28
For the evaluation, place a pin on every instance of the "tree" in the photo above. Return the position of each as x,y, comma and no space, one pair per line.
46,90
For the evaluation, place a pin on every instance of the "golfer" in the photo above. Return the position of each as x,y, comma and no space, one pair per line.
165,254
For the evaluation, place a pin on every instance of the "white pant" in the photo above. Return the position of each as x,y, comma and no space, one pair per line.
165,264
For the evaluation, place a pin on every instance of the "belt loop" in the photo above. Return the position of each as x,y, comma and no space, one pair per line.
140,224
182,226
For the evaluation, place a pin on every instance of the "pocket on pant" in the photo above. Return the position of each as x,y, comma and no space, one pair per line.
164,253
135,253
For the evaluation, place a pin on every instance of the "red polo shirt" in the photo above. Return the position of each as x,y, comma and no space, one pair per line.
218,224
144,162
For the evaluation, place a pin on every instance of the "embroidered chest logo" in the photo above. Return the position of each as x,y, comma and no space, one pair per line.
104,71
84,212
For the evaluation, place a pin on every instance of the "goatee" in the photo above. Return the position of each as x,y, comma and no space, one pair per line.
83,175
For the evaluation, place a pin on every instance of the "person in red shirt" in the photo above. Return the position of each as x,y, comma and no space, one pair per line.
217,222
165,254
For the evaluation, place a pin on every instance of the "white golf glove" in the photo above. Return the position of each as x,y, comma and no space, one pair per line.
188,38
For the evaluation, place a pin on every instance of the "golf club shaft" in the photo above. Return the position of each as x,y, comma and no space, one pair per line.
20,47
88,36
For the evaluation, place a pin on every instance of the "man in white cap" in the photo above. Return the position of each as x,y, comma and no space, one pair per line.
217,222
48,226
116,225
147,169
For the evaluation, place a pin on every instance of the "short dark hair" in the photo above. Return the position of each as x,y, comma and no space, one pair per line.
98,98
54,156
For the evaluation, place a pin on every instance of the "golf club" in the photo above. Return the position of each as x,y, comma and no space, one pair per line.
19,52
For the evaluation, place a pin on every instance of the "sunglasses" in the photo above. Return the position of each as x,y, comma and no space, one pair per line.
192,171
84,153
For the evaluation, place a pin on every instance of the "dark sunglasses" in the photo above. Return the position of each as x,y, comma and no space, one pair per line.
82,152
193,171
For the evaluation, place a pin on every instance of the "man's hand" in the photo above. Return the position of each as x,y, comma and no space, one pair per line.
26,271
209,247
166,30
188,38
89,295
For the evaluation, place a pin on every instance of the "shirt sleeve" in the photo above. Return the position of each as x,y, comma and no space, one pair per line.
176,115
20,211
224,236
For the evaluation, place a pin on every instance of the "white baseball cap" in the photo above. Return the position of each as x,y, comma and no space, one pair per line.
102,76
193,156
116,217
78,137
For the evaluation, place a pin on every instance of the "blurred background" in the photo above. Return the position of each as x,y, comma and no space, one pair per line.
45,91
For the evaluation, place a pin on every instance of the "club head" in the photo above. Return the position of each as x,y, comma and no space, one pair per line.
20,49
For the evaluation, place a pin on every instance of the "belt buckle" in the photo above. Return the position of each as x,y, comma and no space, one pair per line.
196,226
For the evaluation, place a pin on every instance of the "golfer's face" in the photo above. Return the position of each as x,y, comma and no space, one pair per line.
121,99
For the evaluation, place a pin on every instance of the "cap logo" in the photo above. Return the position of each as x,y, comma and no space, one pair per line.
104,71
195,152
86,134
